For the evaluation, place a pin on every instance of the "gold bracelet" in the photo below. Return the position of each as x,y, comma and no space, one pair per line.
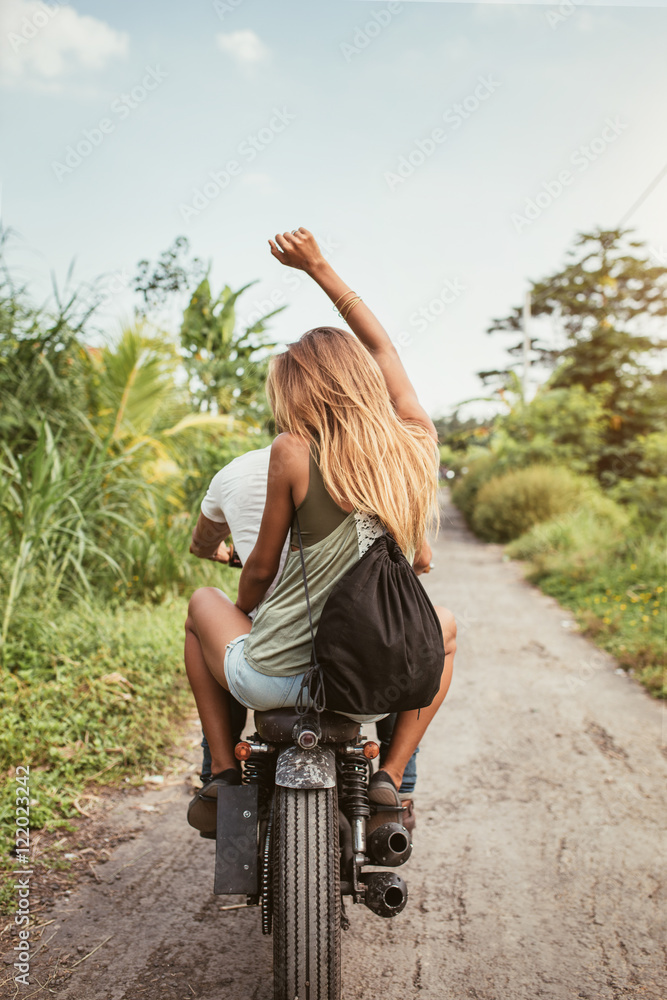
348,292
351,305
348,306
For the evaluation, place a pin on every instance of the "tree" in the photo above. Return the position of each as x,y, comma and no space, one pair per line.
611,300
227,367
173,272
459,434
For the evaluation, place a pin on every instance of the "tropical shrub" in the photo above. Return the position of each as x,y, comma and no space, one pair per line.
470,480
558,427
508,505
593,526
646,497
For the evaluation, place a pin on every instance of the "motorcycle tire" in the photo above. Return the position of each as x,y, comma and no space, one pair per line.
306,895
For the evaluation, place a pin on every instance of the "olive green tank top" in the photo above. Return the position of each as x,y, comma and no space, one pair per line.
319,514
333,541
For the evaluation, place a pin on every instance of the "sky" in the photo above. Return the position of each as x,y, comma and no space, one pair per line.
444,154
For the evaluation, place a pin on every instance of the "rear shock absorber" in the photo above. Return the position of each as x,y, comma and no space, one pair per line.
353,770
259,769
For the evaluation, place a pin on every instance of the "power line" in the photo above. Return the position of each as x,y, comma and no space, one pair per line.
656,180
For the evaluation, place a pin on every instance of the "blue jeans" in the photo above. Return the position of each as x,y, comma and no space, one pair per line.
385,728
237,713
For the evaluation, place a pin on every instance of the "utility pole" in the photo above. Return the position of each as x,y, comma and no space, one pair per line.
526,346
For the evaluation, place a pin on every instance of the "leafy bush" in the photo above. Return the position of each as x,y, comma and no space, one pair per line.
558,427
594,525
468,483
508,505
645,496
654,454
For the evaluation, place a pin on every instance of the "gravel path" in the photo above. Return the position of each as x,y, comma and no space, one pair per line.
539,862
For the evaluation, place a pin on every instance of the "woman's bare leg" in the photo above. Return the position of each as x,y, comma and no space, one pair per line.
213,621
409,729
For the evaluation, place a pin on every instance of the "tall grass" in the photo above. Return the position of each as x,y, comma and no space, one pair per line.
59,509
601,563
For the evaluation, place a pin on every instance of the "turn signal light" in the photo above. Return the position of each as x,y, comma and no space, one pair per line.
242,750
371,750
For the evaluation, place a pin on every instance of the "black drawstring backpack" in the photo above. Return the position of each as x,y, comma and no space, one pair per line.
378,646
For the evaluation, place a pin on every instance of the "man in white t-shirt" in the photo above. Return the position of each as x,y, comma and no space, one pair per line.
234,505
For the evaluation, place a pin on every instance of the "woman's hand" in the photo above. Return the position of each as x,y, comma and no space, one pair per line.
422,561
297,249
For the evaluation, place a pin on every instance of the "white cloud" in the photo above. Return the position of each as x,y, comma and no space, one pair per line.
42,42
244,46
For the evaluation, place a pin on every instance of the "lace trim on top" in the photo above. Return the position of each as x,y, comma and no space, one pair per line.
369,527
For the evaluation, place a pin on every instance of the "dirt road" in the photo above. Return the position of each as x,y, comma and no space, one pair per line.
539,867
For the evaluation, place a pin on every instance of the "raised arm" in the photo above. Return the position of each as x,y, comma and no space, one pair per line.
299,249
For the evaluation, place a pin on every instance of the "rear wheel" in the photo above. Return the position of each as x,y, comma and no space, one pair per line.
306,895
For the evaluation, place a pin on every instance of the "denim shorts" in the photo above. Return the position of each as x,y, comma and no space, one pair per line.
263,691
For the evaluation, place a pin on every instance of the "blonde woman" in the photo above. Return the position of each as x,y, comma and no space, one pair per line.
357,455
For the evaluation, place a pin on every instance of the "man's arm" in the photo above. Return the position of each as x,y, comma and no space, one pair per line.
300,250
208,540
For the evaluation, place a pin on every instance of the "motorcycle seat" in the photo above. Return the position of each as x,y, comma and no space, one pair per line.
277,725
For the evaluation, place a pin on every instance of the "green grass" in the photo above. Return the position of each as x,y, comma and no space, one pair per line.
613,583
95,696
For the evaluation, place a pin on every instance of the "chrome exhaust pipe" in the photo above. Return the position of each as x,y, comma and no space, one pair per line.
386,893
390,845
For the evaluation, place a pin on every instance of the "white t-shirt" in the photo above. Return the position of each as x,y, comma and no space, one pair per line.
237,496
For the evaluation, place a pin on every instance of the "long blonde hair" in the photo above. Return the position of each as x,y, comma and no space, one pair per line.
328,389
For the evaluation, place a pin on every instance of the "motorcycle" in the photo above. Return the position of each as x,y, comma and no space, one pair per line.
296,837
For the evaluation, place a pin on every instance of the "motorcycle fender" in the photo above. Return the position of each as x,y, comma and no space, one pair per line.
297,768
